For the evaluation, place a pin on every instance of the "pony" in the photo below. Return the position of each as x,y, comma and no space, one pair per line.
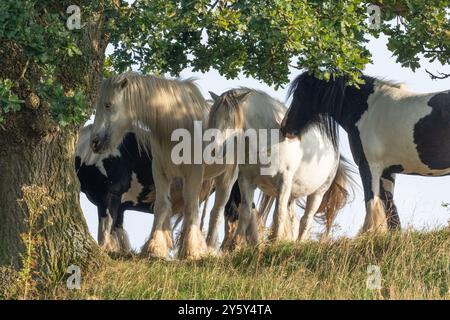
310,167
162,106
391,130
114,182
121,180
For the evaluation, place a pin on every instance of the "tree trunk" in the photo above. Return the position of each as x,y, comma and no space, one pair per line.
41,223
59,232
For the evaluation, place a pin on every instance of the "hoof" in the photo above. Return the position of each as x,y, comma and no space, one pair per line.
158,246
238,242
193,245
122,238
110,243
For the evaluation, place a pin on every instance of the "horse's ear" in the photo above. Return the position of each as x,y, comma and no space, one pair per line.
214,96
244,95
123,83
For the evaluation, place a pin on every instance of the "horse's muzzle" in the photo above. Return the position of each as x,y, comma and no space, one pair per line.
98,145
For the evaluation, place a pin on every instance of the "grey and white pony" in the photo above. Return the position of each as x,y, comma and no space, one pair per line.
164,107
310,167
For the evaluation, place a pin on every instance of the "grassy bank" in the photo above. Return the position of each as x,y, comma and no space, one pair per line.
413,266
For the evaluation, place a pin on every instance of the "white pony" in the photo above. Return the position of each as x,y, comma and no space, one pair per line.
163,106
310,166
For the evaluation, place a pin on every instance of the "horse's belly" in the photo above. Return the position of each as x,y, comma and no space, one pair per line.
422,170
311,176
268,185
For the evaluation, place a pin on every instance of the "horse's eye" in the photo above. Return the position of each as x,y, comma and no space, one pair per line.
107,106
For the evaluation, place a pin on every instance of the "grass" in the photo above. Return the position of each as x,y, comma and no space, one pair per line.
413,265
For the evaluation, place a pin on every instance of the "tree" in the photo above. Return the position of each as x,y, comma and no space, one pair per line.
49,76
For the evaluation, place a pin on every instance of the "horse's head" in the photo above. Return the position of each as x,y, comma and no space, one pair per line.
112,116
226,111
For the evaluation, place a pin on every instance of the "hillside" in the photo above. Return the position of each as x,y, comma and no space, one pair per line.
414,265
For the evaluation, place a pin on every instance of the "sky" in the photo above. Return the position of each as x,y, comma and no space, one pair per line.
419,199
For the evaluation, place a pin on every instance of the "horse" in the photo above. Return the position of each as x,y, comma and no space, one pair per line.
121,180
391,130
311,167
162,106
114,182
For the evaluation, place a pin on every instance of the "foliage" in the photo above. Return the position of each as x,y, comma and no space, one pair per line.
108,68
421,29
36,33
259,38
9,101
67,108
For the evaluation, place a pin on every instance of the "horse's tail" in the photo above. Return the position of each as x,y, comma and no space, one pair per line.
265,204
337,195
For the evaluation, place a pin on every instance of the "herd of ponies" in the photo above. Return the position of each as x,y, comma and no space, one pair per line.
125,158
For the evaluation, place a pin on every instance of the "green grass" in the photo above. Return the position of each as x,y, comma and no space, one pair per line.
414,265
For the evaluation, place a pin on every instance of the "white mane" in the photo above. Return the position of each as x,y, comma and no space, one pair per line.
159,104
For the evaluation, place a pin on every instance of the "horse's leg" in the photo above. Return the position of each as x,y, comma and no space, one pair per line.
245,215
104,225
109,240
387,195
230,227
313,202
280,227
120,233
193,245
375,220
160,241
294,221
253,228
223,185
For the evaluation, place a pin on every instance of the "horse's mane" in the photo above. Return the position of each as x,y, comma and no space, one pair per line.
319,99
82,146
234,100
159,104
324,98
387,83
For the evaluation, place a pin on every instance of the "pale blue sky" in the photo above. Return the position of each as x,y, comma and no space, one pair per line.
418,199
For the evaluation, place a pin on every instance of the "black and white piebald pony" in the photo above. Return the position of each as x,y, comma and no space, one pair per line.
391,130
114,182
120,180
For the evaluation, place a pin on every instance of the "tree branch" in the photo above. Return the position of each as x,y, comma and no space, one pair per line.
400,8
440,75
